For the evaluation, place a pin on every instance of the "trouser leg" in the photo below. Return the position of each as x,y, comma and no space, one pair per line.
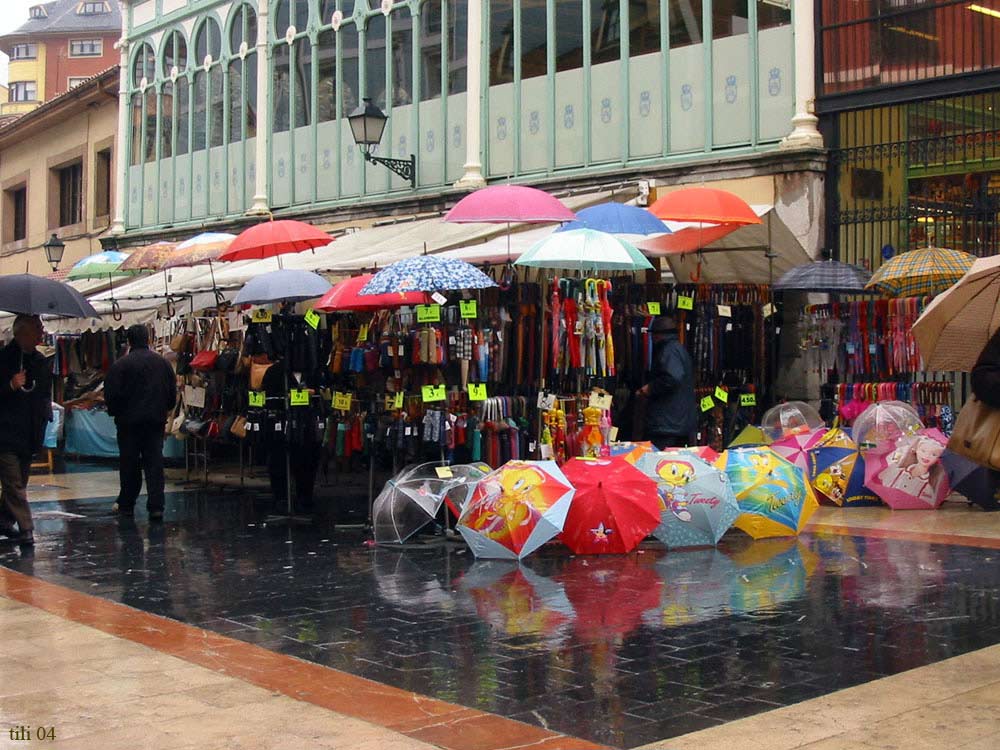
14,472
129,467
152,464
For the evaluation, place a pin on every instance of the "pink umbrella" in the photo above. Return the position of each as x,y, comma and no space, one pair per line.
795,447
509,204
907,472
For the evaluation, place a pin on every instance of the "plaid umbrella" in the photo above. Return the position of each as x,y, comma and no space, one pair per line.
828,276
928,270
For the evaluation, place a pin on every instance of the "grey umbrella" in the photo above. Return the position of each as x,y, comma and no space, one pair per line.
829,276
286,285
27,294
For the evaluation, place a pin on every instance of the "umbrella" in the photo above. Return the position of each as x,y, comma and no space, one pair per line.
927,270
837,471
773,494
704,205
615,506
749,436
200,249
584,250
27,294
458,487
285,285
516,509
402,508
957,324
345,296
884,421
426,273
99,266
630,451
609,595
508,204
829,276
149,257
977,483
790,418
273,238
795,447
906,472
616,218
697,505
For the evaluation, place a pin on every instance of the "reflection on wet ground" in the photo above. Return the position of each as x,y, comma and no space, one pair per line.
618,650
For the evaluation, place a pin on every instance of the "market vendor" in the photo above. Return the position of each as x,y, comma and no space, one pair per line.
671,413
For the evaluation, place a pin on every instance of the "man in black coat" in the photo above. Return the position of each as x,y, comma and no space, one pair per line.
140,390
671,416
25,410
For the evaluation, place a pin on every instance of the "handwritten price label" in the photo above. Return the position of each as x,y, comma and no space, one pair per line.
428,313
312,319
685,303
653,308
748,399
707,403
469,309
444,472
342,401
477,391
432,393
298,397
725,311
260,315
722,394
256,398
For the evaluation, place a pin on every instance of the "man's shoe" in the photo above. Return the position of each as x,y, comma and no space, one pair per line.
120,511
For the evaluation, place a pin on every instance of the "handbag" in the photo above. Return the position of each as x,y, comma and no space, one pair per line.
239,427
227,359
205,359
977,434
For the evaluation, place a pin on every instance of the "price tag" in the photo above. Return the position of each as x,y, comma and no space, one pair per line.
545,450
298,397
872,349
748,399
653,308
312,319
428,313
397,401
721,394
444,472
388,401
707,403
613,434
260,315
768,310
363,333
469,308
600,400
685,303
477,391
256,398
439,298
725,311
431,393
342,401
850,348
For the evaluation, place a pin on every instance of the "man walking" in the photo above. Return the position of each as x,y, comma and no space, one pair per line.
671,418
140,390
25,409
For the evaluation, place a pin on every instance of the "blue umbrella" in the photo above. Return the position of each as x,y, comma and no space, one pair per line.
427,273
286,285
616,218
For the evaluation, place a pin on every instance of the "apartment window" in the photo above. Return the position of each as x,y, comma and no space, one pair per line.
102,183
24,52
76,81
86,48
23,91
38,11
70,194
92,9
16,214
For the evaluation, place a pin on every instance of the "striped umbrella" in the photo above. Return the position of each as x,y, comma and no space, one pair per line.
927,270
830,276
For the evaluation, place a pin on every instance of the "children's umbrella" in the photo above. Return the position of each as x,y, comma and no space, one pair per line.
630,450
615,506
616,218
516,509
774,495
509,204
795,446
750,436
790,418
403,508
837,471
907,473
426,273
584,250
926,270
705,452
884,422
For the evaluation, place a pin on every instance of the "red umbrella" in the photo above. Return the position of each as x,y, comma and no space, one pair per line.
509,204
344,296
705,205
615,507
610,595
271,238
687,240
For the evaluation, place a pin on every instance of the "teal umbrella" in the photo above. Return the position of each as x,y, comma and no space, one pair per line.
584,250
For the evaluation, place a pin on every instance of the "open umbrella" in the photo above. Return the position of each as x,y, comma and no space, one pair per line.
100,266
284,285
270,239
149,257
795,446
790,418
704,205
516,509
27,294
883,422
615,506
837,471
976,483
426,273
774,495
705,452
584,250
907,473
345,295
629,450
750,436
200,249
405,507
926,270
828,276
509,204
616,218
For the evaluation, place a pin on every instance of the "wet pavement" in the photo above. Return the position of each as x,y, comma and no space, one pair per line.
618,650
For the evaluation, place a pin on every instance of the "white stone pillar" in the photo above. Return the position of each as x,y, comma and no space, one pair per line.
121,136
259,206
473,178
805,133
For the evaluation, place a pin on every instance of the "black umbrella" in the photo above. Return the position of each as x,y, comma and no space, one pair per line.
27,294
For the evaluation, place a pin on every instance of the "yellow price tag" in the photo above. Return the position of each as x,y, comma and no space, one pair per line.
312,319
260,315
477,391
469,308
444,472
685,303
298,397
707,403
431,393
397,401
256,398
748,399
342,401
363,333
428,313
653,308
722,394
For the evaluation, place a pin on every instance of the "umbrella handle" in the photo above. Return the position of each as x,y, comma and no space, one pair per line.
116,312
220,299
696,276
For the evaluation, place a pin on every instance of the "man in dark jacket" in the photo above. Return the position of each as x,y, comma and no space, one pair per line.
140,390
25,410
671,418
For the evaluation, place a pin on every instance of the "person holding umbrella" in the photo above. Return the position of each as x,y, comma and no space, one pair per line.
25,409
671,416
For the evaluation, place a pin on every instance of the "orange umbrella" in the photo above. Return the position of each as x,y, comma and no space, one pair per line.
271,238
704,205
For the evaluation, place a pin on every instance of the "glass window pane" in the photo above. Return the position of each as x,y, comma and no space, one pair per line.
300,17
250,72
605,31
375,61
174,53
770,15
458,21
326,9
208,41
501,41
281,18
569,34
280,57
402,58
303,82
218,105
150,115
430,50
326,101
685,23
200,113
166,124
183,116
644,21
235,101
349,62
136,122
729,18
533,41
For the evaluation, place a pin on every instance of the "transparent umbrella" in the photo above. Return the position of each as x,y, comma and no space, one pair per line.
789,419
404,507
885,421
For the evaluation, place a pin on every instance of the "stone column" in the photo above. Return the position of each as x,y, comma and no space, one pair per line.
805,133
262,168
121,137
473,177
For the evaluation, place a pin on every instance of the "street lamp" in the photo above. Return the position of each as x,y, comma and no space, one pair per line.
54,248
367,125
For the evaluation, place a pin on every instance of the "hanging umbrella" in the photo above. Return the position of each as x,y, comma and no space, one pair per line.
584,250
345,295
402,508
149,257
774,495
516,509
270,239
285,285
829,276
906,472
795,446
200,249
426,273
104,265
837,471
884,421
927,270
697,505
610,595
704,205
790,418
616,218
509,204
615,507
27,294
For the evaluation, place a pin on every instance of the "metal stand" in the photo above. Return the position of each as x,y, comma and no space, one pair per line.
289,517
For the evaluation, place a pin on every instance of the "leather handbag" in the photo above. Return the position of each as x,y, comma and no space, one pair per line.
205,360
239,427
227,359
977,434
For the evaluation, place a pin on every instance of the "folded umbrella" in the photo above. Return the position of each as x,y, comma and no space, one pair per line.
285,285
27,294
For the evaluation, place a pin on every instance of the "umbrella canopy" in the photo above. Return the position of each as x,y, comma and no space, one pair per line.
509,204
907,472
403,508
272,238
27,294
750,435
100,266
345,295
795,447
837,471
202,248
516,509
884,421
610,595
927,270
830,276
774,496
149,257
977,483
630,451
285,285
615,507
697,505
584,250
457,488
957,324
616,218
790,418
426,273
704,205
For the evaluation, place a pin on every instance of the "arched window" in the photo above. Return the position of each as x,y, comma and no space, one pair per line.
292,13
208,42
326,9
209,102
174,54
143,65
242,73
173,62
303,82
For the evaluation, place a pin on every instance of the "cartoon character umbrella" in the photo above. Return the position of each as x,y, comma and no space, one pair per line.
404,507
697,505
907,472
615,506
516,509
837,471
631,451
795,446
749,436
774,496
705,452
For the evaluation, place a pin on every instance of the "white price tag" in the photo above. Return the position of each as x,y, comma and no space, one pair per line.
439,298
546,451
768,310
725,311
